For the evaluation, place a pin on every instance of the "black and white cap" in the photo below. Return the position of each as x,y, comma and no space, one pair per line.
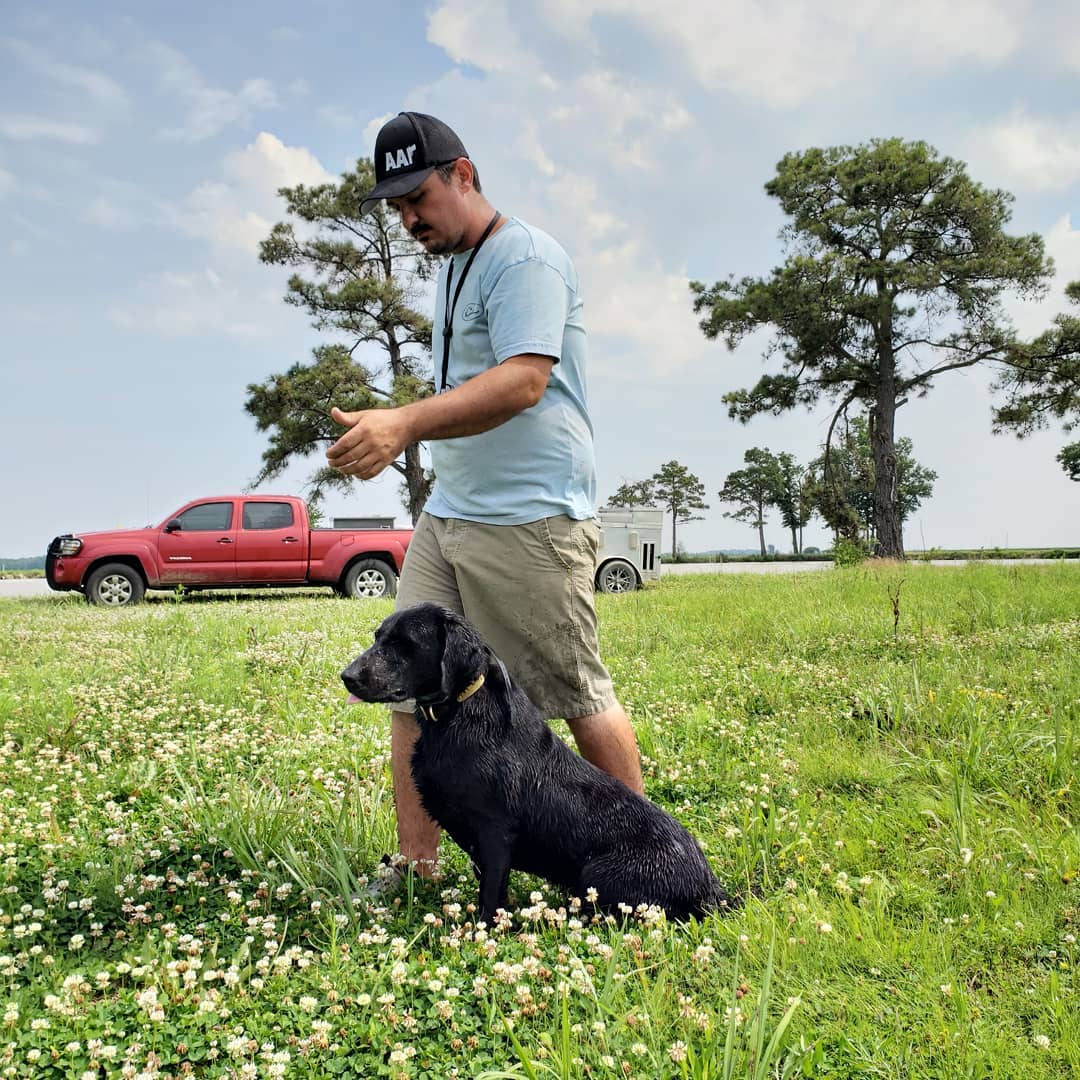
407,151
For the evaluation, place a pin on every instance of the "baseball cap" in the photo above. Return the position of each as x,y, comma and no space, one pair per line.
407,150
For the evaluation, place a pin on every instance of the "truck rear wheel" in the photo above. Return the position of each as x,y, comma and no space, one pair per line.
370,579
617,576
115,585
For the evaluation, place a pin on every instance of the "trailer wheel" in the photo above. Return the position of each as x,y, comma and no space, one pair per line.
617,576
115,585
370,579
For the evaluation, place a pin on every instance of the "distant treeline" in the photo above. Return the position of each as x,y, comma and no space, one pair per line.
813,555
32,562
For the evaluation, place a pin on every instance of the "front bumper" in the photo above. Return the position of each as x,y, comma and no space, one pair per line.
63,572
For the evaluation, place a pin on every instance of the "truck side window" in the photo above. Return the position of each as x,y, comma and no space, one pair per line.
267,515
207,517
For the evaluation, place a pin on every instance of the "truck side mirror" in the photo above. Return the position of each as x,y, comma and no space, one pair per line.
173,526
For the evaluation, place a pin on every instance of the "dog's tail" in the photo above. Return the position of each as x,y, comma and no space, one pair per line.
725,903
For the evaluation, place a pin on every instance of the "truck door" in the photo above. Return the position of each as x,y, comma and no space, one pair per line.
203,548
271,545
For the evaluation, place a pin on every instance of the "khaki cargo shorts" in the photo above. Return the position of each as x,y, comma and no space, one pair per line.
528,589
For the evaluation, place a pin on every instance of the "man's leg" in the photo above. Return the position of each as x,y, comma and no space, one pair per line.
426,575
418,835
607,740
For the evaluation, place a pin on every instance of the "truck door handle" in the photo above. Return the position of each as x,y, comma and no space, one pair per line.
289,540
225,540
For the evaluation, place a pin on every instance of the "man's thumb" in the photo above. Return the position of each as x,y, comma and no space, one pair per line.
346,419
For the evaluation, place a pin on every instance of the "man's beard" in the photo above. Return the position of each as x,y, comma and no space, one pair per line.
447,247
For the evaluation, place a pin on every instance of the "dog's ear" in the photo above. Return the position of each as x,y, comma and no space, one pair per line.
464,655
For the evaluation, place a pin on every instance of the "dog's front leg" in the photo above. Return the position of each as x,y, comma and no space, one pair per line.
493,861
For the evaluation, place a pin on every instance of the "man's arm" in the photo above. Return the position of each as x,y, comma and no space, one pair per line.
377,437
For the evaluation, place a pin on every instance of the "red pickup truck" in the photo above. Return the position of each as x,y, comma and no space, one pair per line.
227,542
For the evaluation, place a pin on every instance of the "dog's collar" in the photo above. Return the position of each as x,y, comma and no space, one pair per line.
472,687
429,711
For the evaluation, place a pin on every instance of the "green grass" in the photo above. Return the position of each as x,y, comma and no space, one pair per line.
187,805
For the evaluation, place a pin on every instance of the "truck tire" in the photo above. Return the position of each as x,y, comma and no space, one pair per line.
370,579
617,576
115,585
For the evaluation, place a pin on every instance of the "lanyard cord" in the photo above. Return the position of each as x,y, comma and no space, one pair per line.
448,310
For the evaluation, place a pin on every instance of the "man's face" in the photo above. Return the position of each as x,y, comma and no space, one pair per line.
434,214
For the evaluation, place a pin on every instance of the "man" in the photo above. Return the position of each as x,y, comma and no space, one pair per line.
508,536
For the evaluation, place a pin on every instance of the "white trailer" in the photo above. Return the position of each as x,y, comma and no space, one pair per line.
629,547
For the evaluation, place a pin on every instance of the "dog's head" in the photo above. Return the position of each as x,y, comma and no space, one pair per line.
427,653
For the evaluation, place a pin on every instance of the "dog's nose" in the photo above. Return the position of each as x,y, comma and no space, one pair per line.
354,679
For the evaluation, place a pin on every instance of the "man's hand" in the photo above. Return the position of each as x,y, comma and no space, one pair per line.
375,439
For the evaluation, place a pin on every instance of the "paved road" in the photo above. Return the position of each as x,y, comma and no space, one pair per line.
39,587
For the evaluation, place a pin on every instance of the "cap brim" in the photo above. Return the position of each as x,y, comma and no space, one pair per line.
393,186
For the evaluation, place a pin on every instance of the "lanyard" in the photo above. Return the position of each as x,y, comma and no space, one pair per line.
448,310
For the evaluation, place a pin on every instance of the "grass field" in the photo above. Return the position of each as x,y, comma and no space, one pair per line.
187,805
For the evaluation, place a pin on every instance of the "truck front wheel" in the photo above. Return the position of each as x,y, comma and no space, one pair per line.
370,579
115,585
617,576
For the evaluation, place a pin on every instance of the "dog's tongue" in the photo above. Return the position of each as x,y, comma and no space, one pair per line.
353,699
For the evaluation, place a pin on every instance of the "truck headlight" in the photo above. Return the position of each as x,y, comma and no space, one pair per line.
68,545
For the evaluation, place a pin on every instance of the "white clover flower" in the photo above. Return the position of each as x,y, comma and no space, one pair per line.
1042,1041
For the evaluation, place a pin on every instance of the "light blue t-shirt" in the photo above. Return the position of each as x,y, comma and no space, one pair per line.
520,296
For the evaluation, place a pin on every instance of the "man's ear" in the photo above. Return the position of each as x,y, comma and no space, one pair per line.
464,656
463,172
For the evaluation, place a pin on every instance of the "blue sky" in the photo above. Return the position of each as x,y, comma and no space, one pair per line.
141,146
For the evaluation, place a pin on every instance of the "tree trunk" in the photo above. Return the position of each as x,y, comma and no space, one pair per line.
888,535
761,534
794,541
673,517
415,482
887,529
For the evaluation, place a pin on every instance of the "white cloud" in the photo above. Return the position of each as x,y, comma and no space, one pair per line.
237,211
371,131
1063,246
7,182
1031,152
633,119
175,304
335,116
211,109
92,83
630,297
107,214
285,35
23,127
782,53
231,294
480,33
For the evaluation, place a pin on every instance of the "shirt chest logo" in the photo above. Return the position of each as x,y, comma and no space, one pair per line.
472,311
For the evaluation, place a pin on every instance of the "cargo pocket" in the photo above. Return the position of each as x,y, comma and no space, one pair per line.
559,540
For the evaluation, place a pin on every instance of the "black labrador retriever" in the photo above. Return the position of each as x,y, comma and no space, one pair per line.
492,773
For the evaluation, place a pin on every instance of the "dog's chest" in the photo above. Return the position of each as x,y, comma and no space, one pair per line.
462,783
